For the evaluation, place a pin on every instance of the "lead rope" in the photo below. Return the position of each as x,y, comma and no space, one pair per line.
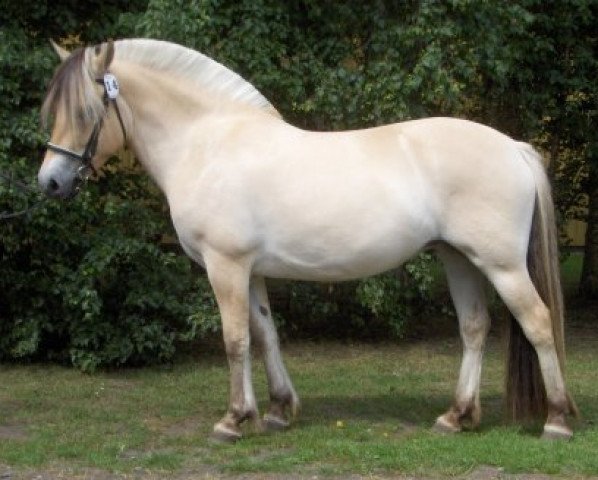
111,91
10,180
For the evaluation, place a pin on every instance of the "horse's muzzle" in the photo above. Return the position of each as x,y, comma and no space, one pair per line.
60,183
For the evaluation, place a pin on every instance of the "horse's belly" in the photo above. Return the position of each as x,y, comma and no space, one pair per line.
319,259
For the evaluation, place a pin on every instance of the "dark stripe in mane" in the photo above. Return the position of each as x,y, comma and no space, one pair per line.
67,93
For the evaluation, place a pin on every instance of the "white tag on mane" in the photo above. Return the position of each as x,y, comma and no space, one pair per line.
111,85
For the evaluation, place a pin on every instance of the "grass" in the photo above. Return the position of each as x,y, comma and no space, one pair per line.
367,409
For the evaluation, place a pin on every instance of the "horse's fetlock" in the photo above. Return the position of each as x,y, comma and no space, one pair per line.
282,396
284,401
239,415
465,408
470,415
558,409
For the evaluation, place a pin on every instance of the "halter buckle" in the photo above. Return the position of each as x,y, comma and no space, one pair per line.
84,171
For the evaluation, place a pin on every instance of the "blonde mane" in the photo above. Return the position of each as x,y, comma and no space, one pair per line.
73,89
191,65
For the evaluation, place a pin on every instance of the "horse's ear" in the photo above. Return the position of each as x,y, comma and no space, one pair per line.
102,58
63,53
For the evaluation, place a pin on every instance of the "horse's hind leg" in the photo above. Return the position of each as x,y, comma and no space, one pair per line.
263,332
521,297
466,285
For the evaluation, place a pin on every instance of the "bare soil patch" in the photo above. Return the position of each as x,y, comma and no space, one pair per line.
484,472
13,432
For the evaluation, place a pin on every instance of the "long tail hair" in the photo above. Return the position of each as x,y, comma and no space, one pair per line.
526,394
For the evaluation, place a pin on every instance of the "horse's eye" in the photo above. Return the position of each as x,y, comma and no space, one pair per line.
81,117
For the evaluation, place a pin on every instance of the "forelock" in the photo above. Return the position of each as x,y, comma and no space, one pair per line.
71,92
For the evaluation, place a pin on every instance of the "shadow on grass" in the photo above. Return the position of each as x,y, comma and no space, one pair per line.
413,409
420,412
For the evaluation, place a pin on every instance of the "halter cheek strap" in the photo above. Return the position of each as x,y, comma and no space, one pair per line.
111,91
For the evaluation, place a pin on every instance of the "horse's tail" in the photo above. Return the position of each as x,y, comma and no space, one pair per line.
526,395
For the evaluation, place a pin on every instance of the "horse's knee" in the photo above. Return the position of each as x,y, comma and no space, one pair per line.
236,347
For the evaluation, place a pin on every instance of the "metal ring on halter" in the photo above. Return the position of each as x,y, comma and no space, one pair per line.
84,158
86,167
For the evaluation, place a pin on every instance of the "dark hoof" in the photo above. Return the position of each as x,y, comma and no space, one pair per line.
223,434
445,428
556,432
273,423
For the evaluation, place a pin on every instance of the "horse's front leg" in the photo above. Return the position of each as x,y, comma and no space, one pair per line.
230,281
263,333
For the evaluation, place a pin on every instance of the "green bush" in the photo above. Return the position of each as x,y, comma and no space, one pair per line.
395,297
378,307
88,282
91,281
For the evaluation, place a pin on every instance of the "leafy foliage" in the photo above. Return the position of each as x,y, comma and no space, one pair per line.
399,296
89,281
92,281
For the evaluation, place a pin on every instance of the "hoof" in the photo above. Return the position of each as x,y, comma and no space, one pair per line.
273,423
557,432
224,434
443,427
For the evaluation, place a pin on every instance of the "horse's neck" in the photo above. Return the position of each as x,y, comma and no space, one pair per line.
164,112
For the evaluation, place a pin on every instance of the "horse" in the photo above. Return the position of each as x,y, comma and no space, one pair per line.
252,197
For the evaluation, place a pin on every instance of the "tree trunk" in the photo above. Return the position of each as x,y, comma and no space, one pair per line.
588,285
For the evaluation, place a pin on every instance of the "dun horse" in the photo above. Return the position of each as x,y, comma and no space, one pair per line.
253,197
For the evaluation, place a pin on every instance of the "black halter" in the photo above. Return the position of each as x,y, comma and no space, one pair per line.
91,146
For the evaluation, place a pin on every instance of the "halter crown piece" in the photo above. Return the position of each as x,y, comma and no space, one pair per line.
111,91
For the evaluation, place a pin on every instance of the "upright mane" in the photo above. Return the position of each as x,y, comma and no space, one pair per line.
73,89
191,65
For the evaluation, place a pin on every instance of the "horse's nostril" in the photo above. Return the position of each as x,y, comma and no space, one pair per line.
53,185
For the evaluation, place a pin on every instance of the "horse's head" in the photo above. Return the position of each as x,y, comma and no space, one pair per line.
87,124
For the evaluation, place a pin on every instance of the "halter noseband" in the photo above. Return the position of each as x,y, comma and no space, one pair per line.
111,91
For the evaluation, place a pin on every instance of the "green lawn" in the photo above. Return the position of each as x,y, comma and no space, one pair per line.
367,409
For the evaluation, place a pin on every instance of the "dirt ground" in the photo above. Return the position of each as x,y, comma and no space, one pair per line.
479,473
